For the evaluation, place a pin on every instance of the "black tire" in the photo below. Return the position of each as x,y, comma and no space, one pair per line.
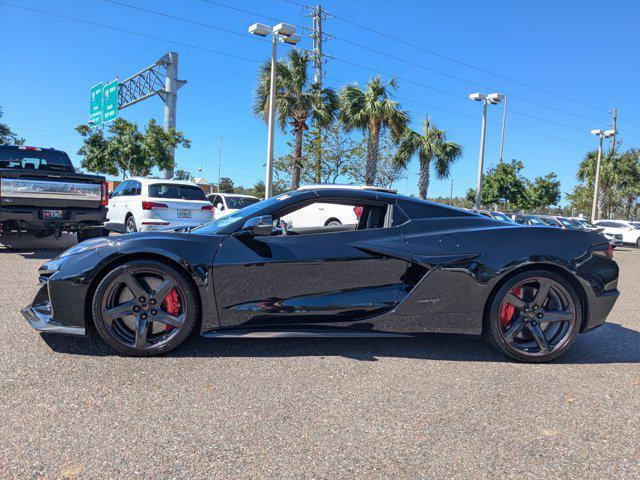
638,242
530,334
130,225
93,232
116,331
333,222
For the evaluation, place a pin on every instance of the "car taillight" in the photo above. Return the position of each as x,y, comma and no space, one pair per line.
150,205
603,250
210,208
104,194
357,211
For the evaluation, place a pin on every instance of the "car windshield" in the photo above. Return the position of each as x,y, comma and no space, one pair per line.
586,223
215,225
568,223
26,158
240,202
535,221
176,191
502,216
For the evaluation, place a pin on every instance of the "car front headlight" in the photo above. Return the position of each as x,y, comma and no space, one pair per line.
88,245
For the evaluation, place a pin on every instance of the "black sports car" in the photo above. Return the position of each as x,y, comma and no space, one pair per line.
279,268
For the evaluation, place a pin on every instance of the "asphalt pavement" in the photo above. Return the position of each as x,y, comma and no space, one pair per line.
430,407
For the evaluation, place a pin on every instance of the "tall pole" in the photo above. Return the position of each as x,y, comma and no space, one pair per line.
170,98
317,60
451,193
268,186
481,155
596,186
615,130
219,160
504,117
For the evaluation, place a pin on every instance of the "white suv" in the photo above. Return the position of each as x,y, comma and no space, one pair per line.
226,203
144,204
630,232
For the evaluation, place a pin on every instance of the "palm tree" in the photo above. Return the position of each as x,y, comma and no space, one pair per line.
370,111
608,175
431,144
297,101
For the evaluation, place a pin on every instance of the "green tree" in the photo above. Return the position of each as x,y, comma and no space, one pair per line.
127,150
608,173
7,136
226,185
181,174
628,180
503,185
429,145
543,192
298,99
388,170
370,111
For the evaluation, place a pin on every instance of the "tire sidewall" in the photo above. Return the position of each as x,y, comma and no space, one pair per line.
131,219
191,318
493,325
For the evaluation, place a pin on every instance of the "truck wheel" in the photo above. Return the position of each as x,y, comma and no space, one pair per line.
41,233
130,225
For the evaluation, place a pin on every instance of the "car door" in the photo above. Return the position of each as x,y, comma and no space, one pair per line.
330,276
116,213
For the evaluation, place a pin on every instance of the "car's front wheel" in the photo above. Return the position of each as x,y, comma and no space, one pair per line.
145,308
534,317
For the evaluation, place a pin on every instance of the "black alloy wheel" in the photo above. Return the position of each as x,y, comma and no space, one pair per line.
144,308
534,317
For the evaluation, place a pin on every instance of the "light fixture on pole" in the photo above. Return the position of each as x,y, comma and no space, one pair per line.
285,33
493,99
602,134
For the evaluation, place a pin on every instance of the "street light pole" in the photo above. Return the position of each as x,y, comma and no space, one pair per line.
268,186
602,134
493,99
481,155
504,118
595,188
219,160
286,33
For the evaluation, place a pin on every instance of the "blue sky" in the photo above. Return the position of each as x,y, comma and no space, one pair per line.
585,51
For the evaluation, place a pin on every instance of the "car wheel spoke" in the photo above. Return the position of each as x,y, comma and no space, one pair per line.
120,311
134,286
515,301
543,292
515,328
538,336
557,316
142,327
163,290
168,319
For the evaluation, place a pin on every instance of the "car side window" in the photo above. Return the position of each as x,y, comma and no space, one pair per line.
136,188
325,217
217,202
118,190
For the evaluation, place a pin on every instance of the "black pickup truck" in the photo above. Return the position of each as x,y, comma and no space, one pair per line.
41,193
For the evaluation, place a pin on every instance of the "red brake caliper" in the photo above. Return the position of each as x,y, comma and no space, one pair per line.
507,310
171,305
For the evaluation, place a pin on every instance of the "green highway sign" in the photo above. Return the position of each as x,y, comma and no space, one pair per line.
95,106
110,101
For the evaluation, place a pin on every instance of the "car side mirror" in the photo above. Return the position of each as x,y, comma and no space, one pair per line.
259,226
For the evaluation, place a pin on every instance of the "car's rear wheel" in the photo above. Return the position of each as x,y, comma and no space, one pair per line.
333,222
145,308
534,317
130,225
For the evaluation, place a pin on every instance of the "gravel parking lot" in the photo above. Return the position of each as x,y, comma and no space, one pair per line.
429,407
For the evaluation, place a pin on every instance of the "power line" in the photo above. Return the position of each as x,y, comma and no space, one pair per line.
249,12
130,32
465,64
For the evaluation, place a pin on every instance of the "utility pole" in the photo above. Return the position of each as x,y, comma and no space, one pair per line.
317,37
504,118
451,193
601,134
615,130
170,97
219,158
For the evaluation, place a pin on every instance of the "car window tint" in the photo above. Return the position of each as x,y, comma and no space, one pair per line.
321,217
176,191
240,202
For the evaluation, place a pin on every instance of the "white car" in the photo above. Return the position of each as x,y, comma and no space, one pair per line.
226,203
323,215
142,204
630,232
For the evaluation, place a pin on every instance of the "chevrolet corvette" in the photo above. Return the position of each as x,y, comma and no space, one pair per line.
404,267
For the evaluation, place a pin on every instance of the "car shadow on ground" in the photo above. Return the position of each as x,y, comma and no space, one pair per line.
611,343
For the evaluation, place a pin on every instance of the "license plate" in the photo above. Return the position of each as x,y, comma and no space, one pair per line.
184,213
51,214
